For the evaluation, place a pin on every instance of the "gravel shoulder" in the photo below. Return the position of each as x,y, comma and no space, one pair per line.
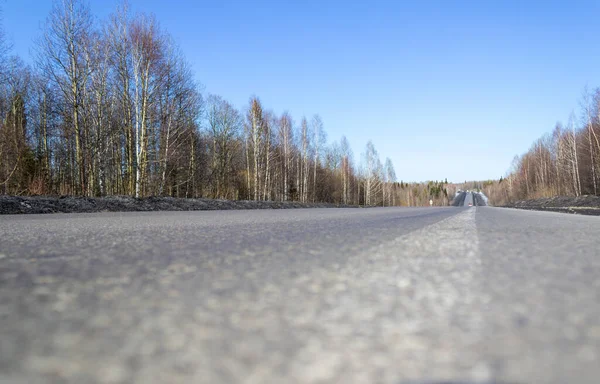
71,204
583,205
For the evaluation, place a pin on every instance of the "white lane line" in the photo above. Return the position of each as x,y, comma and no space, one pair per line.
444,264
418,303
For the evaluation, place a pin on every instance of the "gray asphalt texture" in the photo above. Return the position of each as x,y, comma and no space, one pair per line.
382,295
468,199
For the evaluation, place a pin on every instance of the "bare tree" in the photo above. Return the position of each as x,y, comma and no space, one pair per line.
390,179
179,106
593,141
61,55
371,169
268,123
120,43
5,48
346,166
571,142
224,124
255,127
319,141
43,122
146,51
14,150
305,158
286,140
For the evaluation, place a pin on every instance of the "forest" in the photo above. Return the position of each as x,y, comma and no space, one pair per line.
565,162
112,107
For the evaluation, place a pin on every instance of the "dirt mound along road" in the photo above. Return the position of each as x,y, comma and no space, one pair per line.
585,205
70,204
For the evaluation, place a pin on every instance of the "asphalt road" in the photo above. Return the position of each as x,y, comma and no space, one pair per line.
415,295
468,199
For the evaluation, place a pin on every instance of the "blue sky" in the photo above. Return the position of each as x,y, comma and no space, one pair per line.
445,89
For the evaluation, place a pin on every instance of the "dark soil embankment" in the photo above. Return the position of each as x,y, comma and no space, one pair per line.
70,204
583,205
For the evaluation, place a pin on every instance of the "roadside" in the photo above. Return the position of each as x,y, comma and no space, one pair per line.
71,204
583,205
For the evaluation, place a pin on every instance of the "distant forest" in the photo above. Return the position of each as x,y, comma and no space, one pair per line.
113,108
565,162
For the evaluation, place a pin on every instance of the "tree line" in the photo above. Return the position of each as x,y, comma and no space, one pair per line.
565,162
112,108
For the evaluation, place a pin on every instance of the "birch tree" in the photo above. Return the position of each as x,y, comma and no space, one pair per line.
286,140
390,179
99,110
370,172
121,63
61,57
224,124
303,166
254,144
146,53
592,137
571,140
268,123
319,141
346,167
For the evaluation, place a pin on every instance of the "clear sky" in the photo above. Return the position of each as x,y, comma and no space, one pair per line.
446,89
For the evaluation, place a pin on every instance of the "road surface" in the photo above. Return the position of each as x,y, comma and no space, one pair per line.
383,295
468,199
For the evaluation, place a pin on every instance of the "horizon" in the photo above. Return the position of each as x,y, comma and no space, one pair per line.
441,99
